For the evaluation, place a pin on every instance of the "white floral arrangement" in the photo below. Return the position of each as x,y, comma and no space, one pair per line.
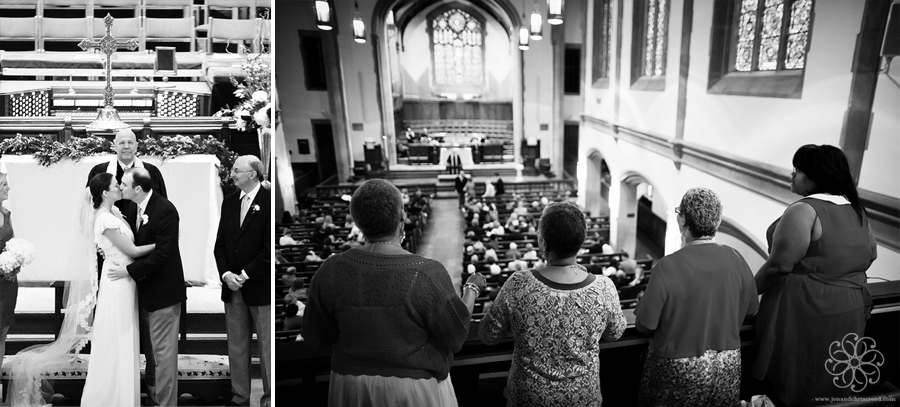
18,253
255,108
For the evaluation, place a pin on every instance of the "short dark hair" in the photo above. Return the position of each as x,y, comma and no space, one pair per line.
377,208
141,178
827,166
291,310
97,185
562,228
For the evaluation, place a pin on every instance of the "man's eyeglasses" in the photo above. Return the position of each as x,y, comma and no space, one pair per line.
237,171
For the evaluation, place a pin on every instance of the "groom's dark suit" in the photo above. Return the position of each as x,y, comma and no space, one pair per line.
160,284
247,247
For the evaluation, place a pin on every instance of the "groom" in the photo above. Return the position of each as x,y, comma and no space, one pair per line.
159,277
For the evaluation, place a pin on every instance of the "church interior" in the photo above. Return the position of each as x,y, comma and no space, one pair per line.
73,71
618,106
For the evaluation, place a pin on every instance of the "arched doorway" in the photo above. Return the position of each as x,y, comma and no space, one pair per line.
412,94
642,218
597,186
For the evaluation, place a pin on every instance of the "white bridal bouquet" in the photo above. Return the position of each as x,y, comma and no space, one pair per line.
18,253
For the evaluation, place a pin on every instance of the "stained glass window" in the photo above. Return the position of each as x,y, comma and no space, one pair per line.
772,35
458,41
602,39
655,38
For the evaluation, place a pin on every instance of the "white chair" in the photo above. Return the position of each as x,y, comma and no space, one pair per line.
74,30
170,30
233,6
185,6
101,7
20,29
232,31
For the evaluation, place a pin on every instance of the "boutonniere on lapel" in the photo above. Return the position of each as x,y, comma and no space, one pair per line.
145,219
255,208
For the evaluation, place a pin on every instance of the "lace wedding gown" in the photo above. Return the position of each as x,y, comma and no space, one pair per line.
113,372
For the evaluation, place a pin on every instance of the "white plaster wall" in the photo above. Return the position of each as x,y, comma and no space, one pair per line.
651,111
881,158
360,82
538,94
771,129
298,106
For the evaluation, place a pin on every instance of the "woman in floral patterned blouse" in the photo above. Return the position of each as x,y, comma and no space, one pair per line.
557,315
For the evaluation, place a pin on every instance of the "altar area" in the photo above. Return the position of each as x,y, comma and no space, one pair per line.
46,204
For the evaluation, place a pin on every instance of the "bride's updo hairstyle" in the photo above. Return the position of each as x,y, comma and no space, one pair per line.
98,184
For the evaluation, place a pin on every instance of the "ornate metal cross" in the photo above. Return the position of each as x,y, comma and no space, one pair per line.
108,45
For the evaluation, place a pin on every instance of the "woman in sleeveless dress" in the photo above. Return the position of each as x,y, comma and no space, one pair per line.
813,285
9,286
113,372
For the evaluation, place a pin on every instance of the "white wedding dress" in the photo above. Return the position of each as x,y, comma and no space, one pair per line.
113,371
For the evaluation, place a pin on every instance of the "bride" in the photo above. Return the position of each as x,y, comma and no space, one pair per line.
113,370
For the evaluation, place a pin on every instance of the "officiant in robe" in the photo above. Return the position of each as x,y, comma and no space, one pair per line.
125,145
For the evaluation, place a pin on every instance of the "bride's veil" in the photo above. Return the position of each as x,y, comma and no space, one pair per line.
30,368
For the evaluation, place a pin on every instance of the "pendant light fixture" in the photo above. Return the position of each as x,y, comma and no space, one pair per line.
523,36
555,11
537,22
359,27
323,15
523,31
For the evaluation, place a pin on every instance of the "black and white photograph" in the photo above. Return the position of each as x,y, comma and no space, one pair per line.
586,202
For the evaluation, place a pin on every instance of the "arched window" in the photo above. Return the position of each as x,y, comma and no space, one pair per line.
457,40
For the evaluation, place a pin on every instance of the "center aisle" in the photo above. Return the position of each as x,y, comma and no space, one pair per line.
443,240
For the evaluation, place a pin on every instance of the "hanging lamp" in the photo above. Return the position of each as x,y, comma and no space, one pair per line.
359,27
323,15
555,11
537,23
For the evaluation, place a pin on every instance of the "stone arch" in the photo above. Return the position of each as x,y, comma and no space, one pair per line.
597,185
634,215
732,234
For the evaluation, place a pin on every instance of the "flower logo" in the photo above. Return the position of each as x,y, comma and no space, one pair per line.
145,219
255,208
854,362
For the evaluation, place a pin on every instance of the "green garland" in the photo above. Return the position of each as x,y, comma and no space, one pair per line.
48,152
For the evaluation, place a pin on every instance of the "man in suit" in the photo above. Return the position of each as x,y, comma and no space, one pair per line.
159,277
125,146
499,186
460,184
242,251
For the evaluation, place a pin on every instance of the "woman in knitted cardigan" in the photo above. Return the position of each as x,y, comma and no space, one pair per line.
393,318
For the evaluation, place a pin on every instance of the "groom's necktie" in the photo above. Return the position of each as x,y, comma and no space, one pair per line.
245,206
137,224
